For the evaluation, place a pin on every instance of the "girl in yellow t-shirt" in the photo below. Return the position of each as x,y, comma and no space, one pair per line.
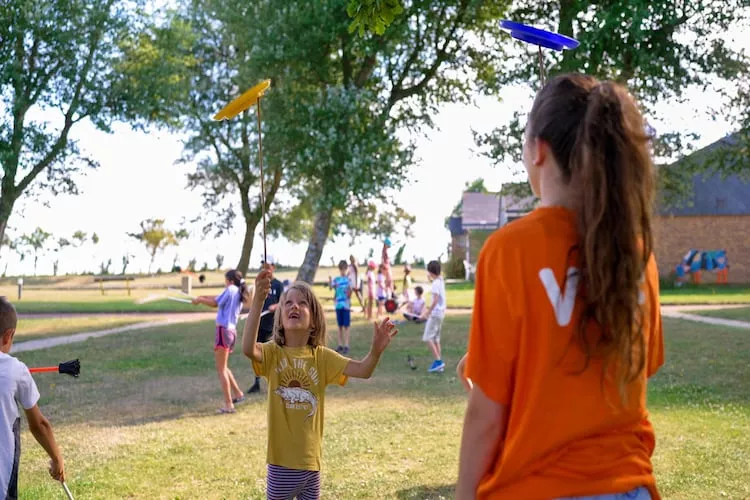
298,367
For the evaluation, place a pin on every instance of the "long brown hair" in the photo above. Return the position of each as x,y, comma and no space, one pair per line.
317,318
597,136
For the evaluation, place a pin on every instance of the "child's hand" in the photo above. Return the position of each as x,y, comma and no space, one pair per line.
57,470
461,372
381,337
262,284
195,301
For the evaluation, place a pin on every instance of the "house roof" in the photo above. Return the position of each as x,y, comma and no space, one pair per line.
480,211
713,194
515,205
484,211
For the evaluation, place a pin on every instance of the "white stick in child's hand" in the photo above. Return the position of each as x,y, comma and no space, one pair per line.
176,299
67,491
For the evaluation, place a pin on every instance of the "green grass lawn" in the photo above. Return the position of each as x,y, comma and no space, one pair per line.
139,422
36,328
736,313
115,301
706,294
459,295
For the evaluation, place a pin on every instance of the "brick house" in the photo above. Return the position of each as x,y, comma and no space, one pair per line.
481,215
716,217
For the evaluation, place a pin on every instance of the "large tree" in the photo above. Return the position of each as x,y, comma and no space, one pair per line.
331,116
201,58
356,92
657,48
56,70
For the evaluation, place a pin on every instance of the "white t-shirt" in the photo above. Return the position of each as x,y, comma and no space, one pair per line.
353,276
438,291
417,306
16,386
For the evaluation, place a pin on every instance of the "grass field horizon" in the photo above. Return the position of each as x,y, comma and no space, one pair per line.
55,295
139,423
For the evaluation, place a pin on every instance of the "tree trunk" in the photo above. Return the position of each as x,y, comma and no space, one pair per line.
6,208
247,244
318,238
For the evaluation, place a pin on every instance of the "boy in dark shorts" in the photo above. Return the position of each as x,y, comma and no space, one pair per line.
17,386
343,293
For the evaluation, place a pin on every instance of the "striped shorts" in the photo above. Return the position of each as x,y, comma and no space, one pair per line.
285,484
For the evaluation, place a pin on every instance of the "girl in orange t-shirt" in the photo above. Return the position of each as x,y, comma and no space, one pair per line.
566,326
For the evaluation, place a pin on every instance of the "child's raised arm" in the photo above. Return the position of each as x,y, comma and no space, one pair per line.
381,337
42,431
250,346
206,300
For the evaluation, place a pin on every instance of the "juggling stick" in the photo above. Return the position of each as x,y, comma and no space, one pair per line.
237,106
180,291
177,299
540,38
67,491
72,368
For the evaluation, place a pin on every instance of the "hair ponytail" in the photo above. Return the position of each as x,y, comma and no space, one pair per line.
597,135
235,277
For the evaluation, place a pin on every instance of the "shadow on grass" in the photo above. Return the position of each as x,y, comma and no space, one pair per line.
428,492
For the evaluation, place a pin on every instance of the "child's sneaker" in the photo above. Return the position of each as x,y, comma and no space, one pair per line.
437,366
345,349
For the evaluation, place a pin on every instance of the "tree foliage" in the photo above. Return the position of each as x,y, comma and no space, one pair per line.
36,242
372,15
657,48
156,237
57,63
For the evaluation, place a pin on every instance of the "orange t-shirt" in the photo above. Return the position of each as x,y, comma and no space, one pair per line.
563,437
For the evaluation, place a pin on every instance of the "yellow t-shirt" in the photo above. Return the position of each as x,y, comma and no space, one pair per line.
297,380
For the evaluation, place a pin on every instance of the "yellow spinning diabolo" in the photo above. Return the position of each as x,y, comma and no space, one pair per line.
234,108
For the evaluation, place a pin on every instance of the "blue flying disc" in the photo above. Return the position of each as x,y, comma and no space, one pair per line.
536,36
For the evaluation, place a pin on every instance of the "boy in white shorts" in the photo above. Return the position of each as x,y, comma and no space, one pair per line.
434,316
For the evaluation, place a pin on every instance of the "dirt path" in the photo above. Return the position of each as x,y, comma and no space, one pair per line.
166,319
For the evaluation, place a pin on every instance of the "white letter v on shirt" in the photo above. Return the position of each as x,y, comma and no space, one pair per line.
562,304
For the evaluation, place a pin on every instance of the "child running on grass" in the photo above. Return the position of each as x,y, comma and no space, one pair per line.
299,366
434,315
381,291
566,327
229,304
370,278
353,275
343,293
17,387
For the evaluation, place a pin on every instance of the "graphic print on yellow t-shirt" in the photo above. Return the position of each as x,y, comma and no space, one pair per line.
297,380
295,385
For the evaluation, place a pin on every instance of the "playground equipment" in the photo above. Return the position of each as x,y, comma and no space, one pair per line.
696,261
